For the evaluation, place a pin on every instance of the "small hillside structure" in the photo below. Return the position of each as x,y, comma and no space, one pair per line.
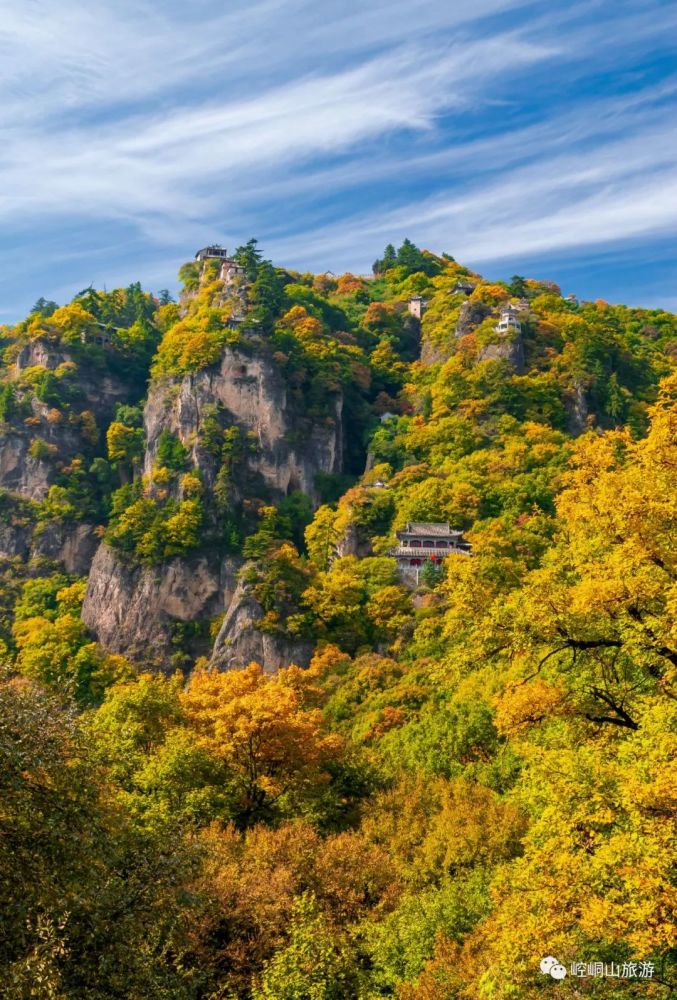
417,306
231,272
103,336
424,541
509,320
213,252
463,288
230,269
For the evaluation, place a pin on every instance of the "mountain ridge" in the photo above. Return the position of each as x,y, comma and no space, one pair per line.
244,755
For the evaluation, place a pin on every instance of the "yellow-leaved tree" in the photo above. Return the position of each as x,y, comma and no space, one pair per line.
584,657
273,743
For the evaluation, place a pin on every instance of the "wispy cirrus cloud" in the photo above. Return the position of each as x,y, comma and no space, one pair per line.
147,162
497,130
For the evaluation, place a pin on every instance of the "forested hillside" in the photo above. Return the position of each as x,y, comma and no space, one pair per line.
241,757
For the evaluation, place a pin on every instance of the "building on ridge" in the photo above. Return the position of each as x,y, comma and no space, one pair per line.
231,272
230,268
103,336
463,288
213,252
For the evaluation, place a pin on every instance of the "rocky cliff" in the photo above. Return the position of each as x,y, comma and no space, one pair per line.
43,434
69,545
440,348
139,610
240,641
248,391
135,610
156,447
508,348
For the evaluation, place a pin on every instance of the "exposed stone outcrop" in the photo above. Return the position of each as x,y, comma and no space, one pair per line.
31,475
21,472
291,449
576,406
100,390
240,642
41,353
470,315
434,354
68,544
510,349
354,542
134,610
15,540
72,545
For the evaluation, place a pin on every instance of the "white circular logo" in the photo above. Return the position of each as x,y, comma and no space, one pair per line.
551,966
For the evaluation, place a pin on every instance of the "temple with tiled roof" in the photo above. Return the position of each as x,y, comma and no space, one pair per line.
426,541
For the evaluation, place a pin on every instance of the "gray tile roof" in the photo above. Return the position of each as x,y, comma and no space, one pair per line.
429,528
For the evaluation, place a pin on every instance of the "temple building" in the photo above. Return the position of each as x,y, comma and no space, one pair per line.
421,542
232,273
417,306
214,252
103,336
463,288
230,269
509,320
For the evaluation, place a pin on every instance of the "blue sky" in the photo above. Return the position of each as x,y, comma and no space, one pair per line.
520,137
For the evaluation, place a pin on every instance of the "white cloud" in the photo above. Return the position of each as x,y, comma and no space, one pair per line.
148,164
168,123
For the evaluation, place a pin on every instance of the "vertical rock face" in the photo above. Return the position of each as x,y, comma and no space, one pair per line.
576,406
470,315
99,389
41,353
135,610
353,543
30,474
240,641
38,442
72,545
290,449
508,348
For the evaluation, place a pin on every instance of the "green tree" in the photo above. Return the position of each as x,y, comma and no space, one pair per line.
388,260
170,453
8,406
250,257
316,964
517,286
90,907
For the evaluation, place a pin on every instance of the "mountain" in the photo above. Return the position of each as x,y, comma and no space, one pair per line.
200,497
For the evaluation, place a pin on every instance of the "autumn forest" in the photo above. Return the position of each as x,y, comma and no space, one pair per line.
242,757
